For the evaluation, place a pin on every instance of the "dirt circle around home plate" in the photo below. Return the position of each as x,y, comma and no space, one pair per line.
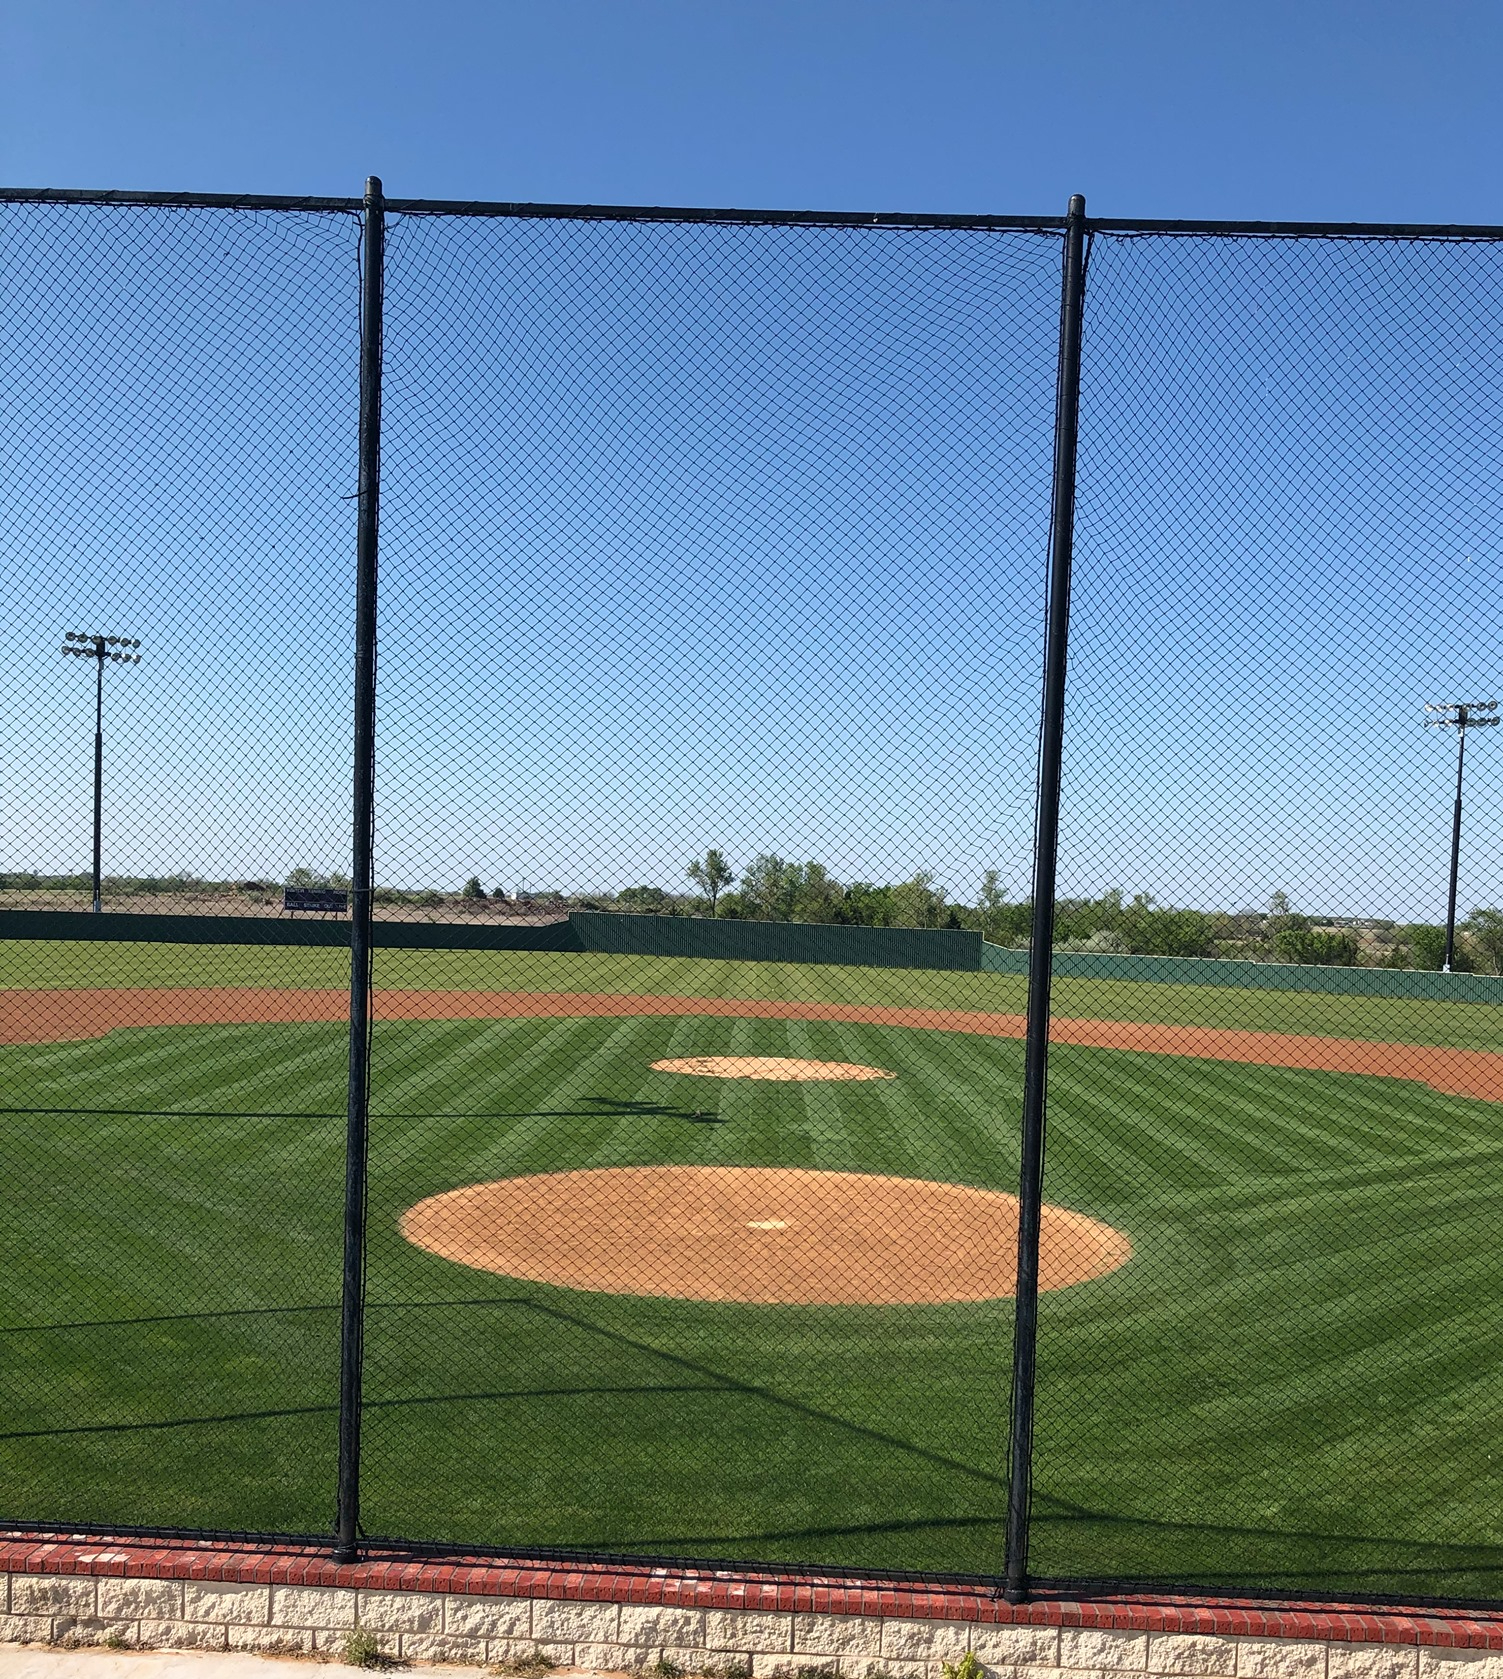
779,1069
757,1235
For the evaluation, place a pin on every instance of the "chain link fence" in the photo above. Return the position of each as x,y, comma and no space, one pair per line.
180,394
690,1190
1287,543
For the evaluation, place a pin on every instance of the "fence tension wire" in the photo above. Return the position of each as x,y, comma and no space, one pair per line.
1045,868
357,1130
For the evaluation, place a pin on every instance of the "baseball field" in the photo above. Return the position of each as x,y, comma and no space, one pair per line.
1278,1363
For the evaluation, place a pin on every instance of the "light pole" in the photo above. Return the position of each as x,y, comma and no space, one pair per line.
1458,716
99,648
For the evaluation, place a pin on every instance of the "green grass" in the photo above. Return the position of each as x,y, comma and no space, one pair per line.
1294,1381
42,963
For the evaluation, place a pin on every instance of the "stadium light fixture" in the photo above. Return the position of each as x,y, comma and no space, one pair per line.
120,650
1460,715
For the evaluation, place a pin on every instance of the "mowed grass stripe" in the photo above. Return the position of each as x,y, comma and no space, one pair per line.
1252,1118
1243,1119
971,1128
501,1109
314,1077
1315,1264
834,1143
1129,1099
503,1059
155,1063
418,1066
1392,1114
1232,1132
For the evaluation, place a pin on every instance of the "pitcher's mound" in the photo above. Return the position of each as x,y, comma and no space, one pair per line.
759,1235
781,1068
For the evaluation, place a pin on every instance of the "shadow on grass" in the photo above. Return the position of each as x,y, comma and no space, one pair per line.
600,1106
332,1409
1051,1510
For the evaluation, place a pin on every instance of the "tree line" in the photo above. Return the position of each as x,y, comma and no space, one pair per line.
772,888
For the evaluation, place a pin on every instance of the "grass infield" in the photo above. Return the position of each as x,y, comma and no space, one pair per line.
1292,1383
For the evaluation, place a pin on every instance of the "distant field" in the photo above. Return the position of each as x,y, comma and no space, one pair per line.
37,963
1293,1380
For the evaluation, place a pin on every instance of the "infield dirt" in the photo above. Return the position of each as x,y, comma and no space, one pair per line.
63,1014
767,1236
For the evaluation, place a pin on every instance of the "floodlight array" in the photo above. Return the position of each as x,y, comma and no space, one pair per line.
83,646
1458,715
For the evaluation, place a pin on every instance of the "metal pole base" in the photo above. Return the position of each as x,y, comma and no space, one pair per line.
346,1552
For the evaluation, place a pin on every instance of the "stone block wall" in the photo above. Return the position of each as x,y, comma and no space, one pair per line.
731,1625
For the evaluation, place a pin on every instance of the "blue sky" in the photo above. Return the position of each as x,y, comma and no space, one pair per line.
736,537
1318,109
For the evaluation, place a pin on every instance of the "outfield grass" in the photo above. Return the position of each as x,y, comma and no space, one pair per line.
45,963
1293,1382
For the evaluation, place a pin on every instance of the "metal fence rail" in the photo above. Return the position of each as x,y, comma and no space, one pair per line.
730,926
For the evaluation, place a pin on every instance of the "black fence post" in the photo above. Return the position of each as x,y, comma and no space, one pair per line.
1045,867
357,1128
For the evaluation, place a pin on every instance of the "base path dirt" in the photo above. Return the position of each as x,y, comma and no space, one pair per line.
29,1017
756,1235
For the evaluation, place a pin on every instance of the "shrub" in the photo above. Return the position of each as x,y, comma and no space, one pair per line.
361,1649
1326,950
1427,948
1167,932
968,1667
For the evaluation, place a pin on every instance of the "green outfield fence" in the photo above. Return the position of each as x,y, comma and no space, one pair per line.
733,685
583,931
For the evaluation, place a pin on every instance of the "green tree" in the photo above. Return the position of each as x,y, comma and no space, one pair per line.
711,874
472,888
1427,949
1147,931
1081,919
918,902
770,888
992,905
864,905
1486,929
816,897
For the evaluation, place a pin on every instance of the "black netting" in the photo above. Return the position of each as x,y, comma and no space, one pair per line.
711,562
712,602
177,449
1287,543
